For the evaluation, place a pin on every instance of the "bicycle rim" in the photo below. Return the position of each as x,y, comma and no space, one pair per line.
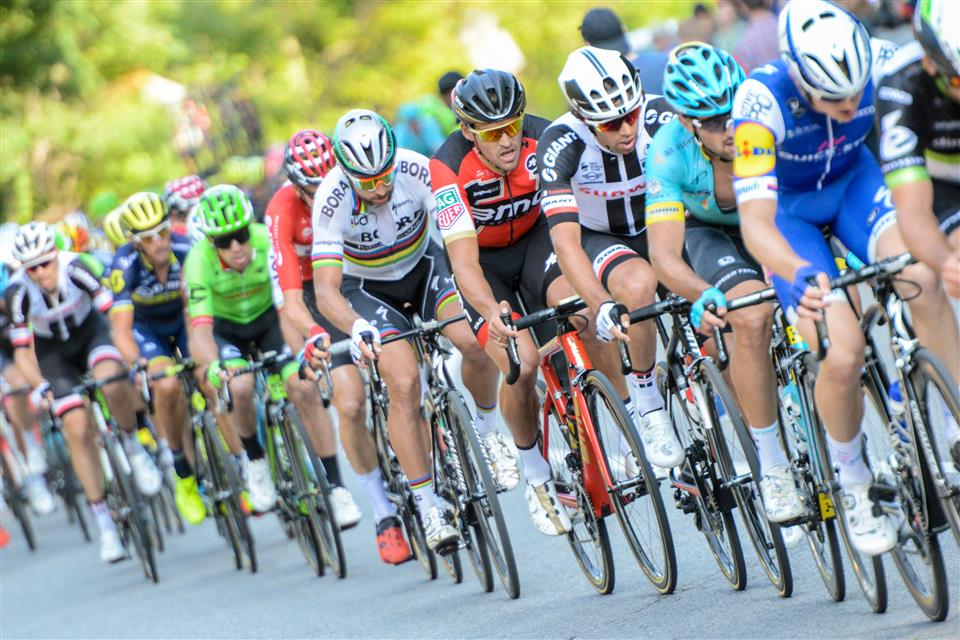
937,403
738,459
415,534
639,504
485,500
130,508
450,489
588,538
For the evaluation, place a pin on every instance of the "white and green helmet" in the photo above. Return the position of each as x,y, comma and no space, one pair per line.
937,26
224,209
364,143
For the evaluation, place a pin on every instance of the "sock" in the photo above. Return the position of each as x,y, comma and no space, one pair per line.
142,421
251,445
486,420
624,445
535,467
104,521
131,444
849,456
373,485
181,466
423,491
332,467
767,442
643,388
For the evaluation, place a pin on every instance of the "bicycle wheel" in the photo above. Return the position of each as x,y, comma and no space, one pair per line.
451,490
588,538
868,570
15,499
701,494
636,498
129,508
489,523
898,463
737,455
316,493
154,520
227,497
938,406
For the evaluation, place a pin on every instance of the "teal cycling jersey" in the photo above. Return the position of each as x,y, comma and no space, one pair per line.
680,178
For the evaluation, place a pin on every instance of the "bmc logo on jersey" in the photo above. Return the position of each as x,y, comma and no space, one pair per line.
449,207
755,151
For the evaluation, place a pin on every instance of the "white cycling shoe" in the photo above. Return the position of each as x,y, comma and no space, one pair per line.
38,495
260,487
781,500
345,509
869,534
549,516
503,461
145,473
660,443
111,549
438,531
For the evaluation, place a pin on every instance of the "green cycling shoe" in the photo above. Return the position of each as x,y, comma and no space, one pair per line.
188,500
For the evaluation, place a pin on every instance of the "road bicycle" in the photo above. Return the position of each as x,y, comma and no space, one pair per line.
13,474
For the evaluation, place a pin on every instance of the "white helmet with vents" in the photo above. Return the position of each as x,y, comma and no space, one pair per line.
600,85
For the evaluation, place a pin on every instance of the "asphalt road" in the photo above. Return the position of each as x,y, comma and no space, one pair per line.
64,591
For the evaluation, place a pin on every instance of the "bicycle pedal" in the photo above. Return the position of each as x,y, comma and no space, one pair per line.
445,549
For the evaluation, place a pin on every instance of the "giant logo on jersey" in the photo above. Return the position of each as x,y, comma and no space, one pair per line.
756,152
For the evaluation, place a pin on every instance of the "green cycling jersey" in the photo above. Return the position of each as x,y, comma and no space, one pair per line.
218,292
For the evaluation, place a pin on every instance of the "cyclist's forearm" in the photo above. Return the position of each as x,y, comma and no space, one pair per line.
471,283
295,311
918,224
330,302
764,240
665,240
26,360
203,346
123,337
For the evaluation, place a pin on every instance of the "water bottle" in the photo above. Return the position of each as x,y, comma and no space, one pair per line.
793,412
898,412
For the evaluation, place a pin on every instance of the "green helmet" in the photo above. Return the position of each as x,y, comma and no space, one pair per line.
224,209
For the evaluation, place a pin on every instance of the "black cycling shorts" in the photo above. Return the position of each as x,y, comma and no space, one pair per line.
526,269
310,302
427,289
717,254
64,363
946,204
606,252
235,340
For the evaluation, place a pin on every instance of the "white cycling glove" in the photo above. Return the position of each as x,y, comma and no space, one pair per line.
608,318
360,327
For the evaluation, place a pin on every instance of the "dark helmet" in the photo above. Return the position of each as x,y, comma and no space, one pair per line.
488,95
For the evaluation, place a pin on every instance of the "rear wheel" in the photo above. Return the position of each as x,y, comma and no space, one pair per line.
15,498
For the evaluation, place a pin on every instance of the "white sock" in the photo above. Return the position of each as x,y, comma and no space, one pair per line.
373,486
849,457
624,445
767,442
643,389
535,467
102,512
486,420
423,491
131,444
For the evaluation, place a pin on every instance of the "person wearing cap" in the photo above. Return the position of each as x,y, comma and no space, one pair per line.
446,84
602,28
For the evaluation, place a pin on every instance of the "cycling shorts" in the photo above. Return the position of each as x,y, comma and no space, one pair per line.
946,204
427,288
235,340
523,271
157,341
64,363
310,302
857,209
717,254
606,252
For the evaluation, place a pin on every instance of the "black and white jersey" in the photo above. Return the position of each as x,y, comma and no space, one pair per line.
584,182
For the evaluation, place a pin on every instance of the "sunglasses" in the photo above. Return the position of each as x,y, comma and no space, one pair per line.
370,184
242,236
40,265
511,128
160,231
718,123
615,124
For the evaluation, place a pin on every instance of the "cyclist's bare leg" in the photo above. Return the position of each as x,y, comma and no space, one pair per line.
931,312
224,424
120,394
81,441
169,405
306,397
750,363
243,417
634,284
479,372
518,402
17,407
408,433
348,398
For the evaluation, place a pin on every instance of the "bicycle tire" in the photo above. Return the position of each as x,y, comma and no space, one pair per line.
764,536
656,555
446,483
717,525
155,505
945,474
14,497
868,570
320,509
68,485
926,581
485,502
227,499
129,507
564,460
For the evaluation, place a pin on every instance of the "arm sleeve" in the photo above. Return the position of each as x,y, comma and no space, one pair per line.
758,127
452,209
333,200
199,300
664,184
18,310
558,156
83,276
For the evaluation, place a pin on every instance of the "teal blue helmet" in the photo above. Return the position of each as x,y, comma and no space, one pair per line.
699,81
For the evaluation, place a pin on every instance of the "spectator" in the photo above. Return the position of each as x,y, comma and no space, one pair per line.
699,27
603,28
446,84
758,43
729,26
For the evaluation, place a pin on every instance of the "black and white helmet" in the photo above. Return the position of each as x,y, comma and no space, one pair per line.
488,95
827,48
364,143
600,85
34,243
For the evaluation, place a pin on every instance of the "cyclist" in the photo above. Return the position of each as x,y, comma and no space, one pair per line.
147,318
591,169
801,166
230,304
181,196
372,256
487,192
307,159
55,303
690,205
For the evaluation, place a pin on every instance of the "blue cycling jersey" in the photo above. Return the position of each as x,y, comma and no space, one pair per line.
135,284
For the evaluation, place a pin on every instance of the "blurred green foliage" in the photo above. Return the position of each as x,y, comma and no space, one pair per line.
74,124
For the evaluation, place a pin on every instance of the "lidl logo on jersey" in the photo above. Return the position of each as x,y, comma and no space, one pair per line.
449,207
756,153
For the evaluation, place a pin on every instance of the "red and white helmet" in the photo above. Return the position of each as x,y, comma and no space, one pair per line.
183,193
308,158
